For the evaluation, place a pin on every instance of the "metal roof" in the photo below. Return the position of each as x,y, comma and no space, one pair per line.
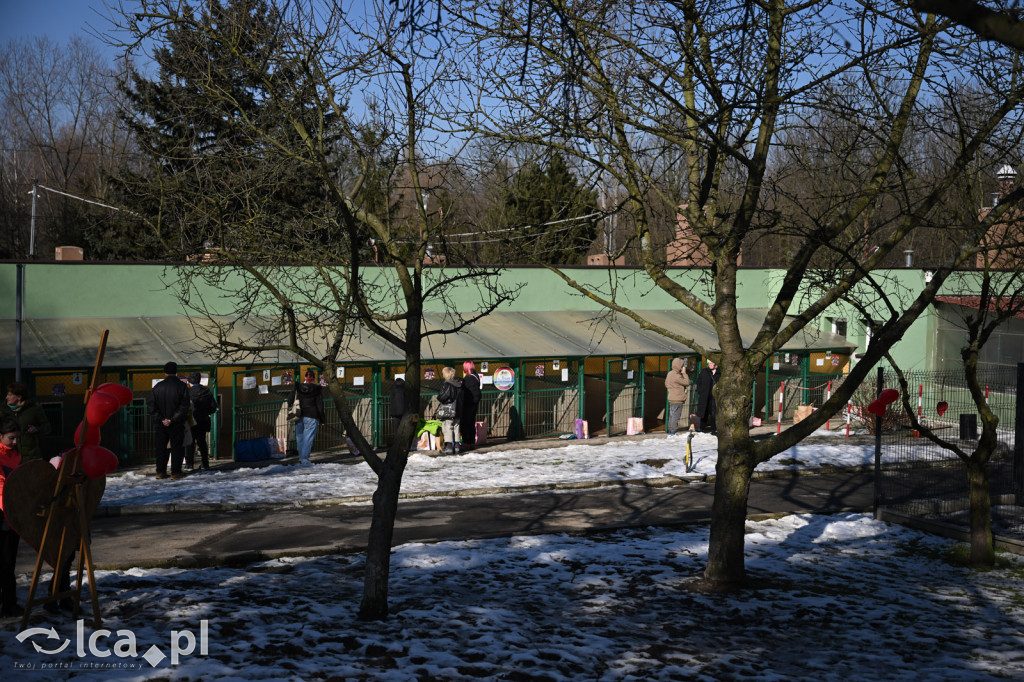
152,341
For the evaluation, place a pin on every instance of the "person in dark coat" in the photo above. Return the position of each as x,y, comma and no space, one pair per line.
707,411
31,418
470,402
169,404
204,405
311,413
398,401
449,409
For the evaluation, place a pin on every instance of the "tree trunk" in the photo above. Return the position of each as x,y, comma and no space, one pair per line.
725,569
382,526
982,542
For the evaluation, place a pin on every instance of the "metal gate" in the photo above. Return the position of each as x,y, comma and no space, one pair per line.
624,392
549,397
260,404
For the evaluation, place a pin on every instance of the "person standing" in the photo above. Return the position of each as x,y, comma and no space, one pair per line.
10,458
707,411
470,394
398,401
32,420
204,405
449,410
169,405
677,383
311,413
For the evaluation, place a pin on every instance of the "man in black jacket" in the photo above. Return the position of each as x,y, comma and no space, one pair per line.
169,403
707,410
204,405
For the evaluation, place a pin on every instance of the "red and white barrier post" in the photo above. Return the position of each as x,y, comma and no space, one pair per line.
782,391
828,394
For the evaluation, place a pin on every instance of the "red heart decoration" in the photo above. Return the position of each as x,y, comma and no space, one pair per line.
942,407
876,408
92,435
98,461
122,393
101,406
889,395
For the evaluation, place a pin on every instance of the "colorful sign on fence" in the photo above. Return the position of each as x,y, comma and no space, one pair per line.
504,378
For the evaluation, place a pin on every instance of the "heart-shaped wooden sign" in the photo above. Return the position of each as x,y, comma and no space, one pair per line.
27,493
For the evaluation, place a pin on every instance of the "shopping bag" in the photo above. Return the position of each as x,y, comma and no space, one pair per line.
481,433
634,426
582,431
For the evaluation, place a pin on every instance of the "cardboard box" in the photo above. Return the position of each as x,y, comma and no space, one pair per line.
802,412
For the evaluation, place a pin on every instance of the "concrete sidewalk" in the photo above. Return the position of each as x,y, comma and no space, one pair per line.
241,537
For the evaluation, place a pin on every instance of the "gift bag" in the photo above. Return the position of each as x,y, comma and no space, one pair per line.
581,431
481,433
634,425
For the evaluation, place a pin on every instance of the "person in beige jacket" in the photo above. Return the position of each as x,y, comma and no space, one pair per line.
677,383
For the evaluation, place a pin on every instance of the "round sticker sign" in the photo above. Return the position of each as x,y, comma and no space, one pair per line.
504,377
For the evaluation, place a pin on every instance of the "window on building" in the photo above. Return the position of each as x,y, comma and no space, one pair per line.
839,326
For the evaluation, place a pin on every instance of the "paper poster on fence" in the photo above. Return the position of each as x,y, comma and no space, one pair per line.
248,383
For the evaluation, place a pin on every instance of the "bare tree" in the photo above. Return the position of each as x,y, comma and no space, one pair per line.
58,126
344,105
990,20
717,88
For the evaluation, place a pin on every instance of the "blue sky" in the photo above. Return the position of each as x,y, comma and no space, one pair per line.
58,19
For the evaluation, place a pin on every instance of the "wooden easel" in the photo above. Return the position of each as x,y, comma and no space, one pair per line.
68,502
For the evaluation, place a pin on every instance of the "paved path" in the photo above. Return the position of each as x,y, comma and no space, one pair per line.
239,537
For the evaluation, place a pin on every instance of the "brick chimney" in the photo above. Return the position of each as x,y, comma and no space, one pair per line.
69,253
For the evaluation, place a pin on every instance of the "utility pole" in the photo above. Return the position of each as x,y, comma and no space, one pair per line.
20,293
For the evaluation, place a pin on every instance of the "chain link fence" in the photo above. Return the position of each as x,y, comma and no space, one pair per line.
924,482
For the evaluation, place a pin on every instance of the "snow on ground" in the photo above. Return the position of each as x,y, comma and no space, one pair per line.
612,461
839,597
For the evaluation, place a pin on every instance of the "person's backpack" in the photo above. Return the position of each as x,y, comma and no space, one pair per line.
446,394
207,406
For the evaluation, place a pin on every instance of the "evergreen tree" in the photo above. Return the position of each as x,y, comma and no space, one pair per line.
556,217
208,174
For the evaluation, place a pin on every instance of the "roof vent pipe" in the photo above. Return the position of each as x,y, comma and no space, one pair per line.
909,253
